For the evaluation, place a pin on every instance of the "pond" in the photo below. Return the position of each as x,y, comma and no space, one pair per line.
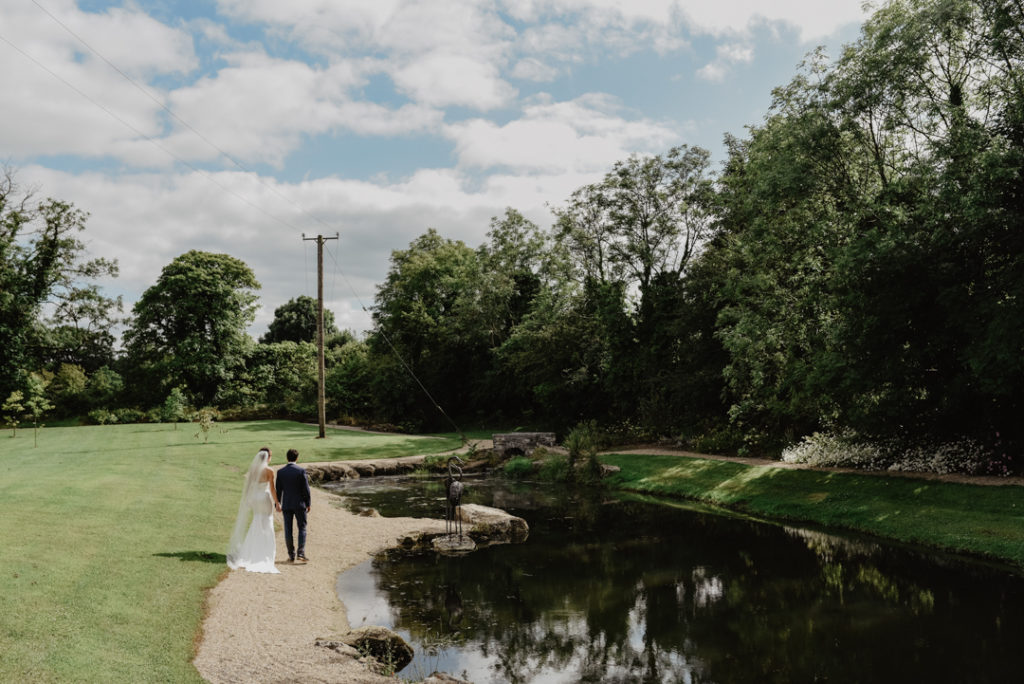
608,589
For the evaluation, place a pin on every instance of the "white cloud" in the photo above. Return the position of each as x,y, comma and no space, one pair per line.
531,69
725,57
259,108
54,86
814,19
448,79
437,53
583,135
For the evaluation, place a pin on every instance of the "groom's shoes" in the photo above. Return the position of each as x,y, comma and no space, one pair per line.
302,558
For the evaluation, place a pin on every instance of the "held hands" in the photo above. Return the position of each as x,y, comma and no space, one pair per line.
277,507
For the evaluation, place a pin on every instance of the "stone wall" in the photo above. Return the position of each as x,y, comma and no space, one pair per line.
522,442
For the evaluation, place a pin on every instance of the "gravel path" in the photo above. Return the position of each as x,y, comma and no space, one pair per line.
262,628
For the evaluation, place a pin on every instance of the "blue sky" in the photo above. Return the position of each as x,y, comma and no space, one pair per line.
237,125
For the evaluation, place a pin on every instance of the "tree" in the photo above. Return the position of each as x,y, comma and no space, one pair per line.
279,375
103,388
189,328
36,404
347,382
295,321
175,407
13,409
421,326
68,389
40,262
648,216
80,331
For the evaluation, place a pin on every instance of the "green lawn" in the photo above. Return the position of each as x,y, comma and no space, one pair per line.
985,521
113,532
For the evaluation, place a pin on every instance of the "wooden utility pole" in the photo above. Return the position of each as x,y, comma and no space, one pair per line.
321,410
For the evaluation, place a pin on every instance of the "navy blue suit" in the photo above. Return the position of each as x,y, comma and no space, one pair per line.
293,493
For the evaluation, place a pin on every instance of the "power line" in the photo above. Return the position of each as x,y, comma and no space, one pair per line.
142,135
175,116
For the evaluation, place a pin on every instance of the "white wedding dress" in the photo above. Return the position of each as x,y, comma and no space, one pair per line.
255,552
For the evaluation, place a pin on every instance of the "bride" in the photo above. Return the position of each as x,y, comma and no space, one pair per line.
254,549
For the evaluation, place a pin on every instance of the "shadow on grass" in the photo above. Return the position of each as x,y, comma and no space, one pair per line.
196,556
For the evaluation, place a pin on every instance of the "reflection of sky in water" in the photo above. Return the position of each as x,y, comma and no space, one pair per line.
367,605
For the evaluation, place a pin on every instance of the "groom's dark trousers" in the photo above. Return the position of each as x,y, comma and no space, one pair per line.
293,493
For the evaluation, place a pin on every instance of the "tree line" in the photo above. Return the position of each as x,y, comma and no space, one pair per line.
855,267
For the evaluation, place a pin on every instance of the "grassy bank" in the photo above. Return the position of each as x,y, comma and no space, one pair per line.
114,532
985,521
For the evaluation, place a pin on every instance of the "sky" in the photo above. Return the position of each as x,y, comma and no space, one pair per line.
238,126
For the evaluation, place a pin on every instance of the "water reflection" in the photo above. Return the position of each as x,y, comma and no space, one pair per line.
626,591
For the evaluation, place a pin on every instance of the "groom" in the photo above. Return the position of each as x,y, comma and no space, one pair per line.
293,495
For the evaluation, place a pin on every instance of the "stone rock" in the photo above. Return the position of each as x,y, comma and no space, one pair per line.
330,472
522,443
364,468
369,513
492,524
381,644
453,543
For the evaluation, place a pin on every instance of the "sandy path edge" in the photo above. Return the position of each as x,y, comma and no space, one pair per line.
262,628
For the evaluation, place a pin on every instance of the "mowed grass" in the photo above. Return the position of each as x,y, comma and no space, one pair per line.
986,521
112,534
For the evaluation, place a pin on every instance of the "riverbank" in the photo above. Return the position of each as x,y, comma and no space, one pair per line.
952,513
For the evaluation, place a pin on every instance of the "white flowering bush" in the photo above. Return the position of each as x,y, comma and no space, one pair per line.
829,450
962,456
846,450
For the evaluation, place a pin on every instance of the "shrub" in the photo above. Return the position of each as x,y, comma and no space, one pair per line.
101,417
829,450
129,415
435,461
253,412
718,440
518,468
205,417
555,468
962,456
846,450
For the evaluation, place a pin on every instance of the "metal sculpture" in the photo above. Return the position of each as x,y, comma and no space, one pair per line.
453,488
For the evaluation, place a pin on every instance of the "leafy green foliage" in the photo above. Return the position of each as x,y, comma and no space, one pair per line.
36,404
175,407
13,409
296,321
189,328
40,262
518,468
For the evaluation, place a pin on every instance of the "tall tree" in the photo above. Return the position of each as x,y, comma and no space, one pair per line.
190,327
647,216
295,321
41,261
421,326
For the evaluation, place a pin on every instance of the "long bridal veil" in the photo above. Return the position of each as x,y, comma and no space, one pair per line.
252,480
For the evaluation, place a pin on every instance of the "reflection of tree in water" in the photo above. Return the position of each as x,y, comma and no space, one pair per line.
625,592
